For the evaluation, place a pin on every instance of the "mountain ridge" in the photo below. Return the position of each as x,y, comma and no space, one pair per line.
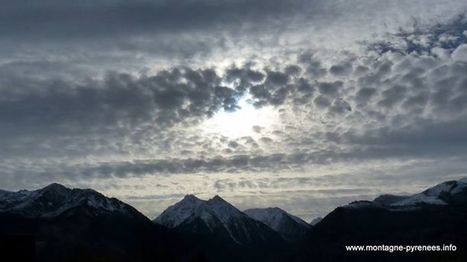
55,199
62,224
215,216
289,226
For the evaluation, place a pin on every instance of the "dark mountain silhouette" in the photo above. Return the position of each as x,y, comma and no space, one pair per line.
56,223
61,224
437,216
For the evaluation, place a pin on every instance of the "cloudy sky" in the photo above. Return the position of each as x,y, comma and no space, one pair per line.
301,104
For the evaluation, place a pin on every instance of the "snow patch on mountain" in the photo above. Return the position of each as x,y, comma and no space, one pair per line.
362,204
419,199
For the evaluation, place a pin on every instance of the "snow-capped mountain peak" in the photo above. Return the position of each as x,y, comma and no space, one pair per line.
191,206
213,216
56,199
178,213
443,194
271,216
440,194
289,226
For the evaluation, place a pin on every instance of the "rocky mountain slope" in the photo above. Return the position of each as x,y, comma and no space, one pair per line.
288,226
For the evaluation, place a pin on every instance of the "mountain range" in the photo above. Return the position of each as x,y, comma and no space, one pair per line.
57,223
218,217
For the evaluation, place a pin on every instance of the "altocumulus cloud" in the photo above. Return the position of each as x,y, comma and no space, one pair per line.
119,91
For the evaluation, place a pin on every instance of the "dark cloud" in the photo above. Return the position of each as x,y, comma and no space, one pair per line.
164,98
422,39
392,96
340,106
341,69
57,19
364,94
314,67
330,88
322,101
424,134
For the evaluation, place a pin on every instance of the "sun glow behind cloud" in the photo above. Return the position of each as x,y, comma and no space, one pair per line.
241,122
107,105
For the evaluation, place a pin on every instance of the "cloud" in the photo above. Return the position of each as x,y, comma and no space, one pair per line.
118,99
120,91
56,19
423,39
390,90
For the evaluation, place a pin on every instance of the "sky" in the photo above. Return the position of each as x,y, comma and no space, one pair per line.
301,104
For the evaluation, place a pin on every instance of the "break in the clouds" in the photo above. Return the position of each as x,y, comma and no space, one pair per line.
306,104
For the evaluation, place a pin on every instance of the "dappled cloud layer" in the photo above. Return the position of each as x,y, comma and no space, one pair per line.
305,104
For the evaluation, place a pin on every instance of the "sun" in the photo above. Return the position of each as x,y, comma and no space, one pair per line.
241,122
